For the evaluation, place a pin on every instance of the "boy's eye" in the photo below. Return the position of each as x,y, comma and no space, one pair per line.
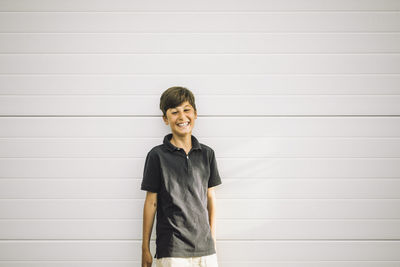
174,112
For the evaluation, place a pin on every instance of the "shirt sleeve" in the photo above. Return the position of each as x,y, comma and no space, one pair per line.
214,179
151,173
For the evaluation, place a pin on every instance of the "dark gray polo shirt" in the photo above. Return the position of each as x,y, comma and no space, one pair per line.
181,181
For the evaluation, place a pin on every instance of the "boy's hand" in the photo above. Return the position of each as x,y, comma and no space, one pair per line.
147,258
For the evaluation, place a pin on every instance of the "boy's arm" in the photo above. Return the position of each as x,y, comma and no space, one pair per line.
149,211
212,208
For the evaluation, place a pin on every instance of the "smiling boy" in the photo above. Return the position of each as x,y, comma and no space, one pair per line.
179,177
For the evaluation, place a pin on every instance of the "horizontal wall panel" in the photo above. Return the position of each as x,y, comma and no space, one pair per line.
199,64
227,208
205,127
260,229
300,147
228,167
124,263
203,43
238,84
67,22
210,105
242,229
206,5
322,250
227,250
241,188
299,188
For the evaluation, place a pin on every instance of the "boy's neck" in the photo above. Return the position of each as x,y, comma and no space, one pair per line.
184,142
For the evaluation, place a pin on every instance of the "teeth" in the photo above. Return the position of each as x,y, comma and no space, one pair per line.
183,124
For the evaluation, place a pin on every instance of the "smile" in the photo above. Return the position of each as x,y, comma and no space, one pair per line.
182,125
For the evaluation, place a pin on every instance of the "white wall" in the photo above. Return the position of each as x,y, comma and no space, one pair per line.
299,99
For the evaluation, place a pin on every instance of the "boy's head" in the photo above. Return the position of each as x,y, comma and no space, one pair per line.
178,106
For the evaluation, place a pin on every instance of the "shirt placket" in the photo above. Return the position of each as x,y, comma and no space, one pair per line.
188,163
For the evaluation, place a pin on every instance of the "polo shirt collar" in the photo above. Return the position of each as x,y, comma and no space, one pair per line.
171,147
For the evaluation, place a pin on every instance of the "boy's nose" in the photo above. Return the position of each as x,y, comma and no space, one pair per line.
181,115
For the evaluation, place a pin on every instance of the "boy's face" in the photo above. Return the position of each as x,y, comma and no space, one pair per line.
181,114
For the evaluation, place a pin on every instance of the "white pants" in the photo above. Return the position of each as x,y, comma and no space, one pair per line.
203,261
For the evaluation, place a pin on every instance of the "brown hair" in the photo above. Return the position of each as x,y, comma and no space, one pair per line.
175,96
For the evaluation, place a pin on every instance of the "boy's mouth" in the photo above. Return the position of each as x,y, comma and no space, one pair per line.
183,125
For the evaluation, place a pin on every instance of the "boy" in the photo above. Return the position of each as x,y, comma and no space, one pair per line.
179,176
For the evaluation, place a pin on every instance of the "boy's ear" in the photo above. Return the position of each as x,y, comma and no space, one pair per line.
165,119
